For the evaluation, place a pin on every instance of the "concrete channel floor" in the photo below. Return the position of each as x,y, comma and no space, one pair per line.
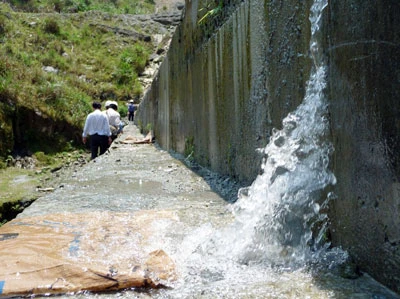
112,214
131,181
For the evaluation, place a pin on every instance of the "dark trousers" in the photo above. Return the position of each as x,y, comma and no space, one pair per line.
130,116
96,142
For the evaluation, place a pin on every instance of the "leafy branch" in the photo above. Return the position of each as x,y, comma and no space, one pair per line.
211,12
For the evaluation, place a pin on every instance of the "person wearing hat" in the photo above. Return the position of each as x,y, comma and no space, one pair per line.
131,110
96,126
107,104
114,119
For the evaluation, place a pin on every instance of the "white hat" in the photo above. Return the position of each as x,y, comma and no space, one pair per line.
108,103
115,103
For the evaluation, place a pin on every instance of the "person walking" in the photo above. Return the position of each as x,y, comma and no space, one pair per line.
114,120
96,126
131,110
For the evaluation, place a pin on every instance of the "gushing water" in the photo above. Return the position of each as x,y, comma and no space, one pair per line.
276,232
279,219
278,211
278,215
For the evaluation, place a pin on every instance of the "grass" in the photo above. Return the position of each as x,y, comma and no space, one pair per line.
56,57
56,64
19,187
17,184
74,6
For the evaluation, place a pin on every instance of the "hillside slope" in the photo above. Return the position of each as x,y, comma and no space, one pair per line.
52,65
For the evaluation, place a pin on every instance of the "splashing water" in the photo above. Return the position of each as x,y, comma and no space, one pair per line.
278,214
279,220
282,208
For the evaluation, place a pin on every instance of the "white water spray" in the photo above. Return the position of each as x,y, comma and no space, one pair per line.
278,215
275,216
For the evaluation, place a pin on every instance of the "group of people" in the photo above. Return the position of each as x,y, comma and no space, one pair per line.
104,126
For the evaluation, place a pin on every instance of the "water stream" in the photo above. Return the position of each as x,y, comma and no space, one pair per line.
271,244
277,238
277,243
278,215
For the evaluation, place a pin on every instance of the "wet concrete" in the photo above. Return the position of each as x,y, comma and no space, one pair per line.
133,177
127,179
139,177
228,95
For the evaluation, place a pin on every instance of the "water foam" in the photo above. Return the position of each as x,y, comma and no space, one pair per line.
279,218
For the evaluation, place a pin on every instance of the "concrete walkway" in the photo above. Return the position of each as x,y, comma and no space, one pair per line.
130,177
135,204
114,223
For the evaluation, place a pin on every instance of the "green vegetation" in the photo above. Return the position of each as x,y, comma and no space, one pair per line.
56,57
211,10
144,129
16,186
53,65
189,148
19,187
149,127
212,14
74,6
54,61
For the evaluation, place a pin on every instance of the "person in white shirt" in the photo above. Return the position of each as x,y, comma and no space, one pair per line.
114,119
96,126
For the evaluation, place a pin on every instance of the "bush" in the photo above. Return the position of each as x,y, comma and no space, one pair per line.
58,5
132,62
3,164
123,110
4,67
51,26
44,159
3,25
137,89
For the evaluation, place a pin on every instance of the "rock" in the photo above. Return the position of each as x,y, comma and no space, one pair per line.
45,189
173,18
50,69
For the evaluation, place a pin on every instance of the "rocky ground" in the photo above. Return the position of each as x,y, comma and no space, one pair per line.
169,5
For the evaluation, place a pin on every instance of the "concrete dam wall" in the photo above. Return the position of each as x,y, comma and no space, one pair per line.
219,95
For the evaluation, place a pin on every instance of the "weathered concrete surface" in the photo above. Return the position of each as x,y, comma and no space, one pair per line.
129,178
363,48
144,200
221,98
100,228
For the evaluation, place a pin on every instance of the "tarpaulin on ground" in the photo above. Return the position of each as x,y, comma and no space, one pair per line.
97,251
134,140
